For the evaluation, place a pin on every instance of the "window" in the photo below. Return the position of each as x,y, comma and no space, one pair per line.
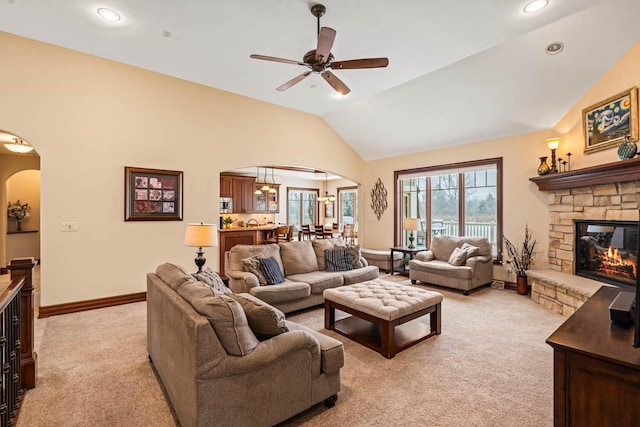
463,199
301,206
348,205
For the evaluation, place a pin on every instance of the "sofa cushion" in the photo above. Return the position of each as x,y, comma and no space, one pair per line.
470,249
173,275
443,246
271,270
458,257
212,279
252,265
321,245
338,259
287,291
356,255
442,268
358,275
319,280
264,320
298,257
230,323
240,252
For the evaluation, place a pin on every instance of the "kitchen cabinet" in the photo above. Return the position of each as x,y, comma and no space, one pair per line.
244,199
226,186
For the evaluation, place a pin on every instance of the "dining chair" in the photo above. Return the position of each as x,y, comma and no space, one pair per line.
305,231
282,233
348,233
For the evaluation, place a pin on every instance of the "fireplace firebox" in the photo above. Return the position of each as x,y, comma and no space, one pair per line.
607,251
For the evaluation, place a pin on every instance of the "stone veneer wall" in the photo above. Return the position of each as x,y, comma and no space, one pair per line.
611,202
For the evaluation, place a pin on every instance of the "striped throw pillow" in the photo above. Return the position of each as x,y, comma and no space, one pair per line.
271,270
338,259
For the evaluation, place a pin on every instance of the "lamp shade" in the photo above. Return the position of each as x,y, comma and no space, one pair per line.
411,224
553,143
201,235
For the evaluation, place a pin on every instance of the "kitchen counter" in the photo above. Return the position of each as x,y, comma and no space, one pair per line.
260,227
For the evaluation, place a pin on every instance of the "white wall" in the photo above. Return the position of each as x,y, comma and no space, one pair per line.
89,118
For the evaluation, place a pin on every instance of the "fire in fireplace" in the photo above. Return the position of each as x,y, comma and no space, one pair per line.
607,251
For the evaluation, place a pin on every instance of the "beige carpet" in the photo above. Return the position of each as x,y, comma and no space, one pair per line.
489,367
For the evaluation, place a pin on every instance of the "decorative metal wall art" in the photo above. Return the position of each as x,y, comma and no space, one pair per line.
379,199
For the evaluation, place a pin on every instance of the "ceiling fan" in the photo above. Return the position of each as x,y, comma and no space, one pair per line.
321,60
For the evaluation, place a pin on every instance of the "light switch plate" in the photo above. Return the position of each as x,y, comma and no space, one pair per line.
69,226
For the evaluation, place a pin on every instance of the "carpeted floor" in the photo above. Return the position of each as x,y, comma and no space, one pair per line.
489,367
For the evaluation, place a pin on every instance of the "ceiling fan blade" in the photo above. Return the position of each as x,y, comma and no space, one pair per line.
293,81
325,43
274,59
360,63
336,83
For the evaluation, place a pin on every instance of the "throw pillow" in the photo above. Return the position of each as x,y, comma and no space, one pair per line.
252,265
264,320
470,249
212,279
458,257
228,320
338,259
271,270
356,254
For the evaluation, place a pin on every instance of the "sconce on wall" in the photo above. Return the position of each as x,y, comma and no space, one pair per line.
18,146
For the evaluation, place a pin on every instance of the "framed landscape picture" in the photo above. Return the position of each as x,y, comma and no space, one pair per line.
152,195
607,123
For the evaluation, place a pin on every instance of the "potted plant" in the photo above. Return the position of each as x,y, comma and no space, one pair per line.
227,222
521,260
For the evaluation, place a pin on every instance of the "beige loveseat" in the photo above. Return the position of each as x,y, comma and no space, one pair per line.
435,266
277,378
303,265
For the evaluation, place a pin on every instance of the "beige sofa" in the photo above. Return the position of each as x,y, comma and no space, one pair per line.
303,265
433,266
206,385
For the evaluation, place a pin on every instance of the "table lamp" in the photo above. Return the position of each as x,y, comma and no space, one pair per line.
411,225
200,235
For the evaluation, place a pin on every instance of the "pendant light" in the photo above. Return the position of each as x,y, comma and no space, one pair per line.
257,192
273,190
265,186
327,197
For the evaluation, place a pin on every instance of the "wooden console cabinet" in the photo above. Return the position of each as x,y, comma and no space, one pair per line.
596,368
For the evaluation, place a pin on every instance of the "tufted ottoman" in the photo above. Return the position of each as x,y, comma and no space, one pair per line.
389,307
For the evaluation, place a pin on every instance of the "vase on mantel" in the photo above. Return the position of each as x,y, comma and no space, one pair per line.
521,285
544,168
18,224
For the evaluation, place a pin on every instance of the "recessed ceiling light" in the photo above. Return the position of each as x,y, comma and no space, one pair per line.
555,48
535,5
108,14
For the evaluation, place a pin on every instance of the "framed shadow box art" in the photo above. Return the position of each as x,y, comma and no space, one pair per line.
607,123
152,195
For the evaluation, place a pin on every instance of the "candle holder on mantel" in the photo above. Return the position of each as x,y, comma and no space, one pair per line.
544,168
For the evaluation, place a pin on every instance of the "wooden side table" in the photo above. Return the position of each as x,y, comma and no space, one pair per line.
405,250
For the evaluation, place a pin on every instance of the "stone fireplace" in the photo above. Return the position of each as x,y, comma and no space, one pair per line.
609,192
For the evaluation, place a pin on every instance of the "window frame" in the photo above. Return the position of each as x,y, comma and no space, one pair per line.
460,168
315,204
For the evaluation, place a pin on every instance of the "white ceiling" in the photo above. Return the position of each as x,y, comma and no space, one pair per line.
460,70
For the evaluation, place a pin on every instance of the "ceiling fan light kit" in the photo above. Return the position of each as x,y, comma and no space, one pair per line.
320,60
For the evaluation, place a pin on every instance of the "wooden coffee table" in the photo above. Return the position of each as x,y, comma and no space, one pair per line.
383,314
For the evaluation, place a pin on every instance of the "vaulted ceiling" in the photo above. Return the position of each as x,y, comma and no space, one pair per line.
460,71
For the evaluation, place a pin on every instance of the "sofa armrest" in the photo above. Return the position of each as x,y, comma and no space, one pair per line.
364,262
427,255
266,353
241,281
472,261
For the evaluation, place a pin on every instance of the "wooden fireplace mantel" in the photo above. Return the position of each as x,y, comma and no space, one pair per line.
608,173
